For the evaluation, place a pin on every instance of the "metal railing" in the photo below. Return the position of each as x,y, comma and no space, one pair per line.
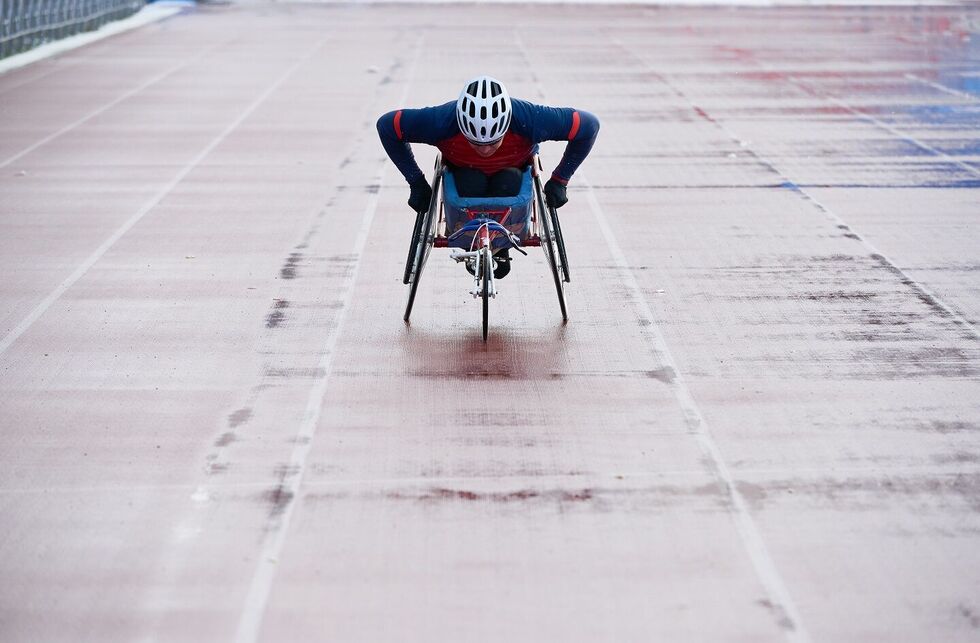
25,24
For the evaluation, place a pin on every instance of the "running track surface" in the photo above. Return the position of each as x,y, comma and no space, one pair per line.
761,423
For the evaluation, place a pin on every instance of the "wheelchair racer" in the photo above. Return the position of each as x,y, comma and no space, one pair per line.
487,140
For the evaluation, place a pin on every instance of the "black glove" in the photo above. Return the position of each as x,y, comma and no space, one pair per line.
421,195
554,193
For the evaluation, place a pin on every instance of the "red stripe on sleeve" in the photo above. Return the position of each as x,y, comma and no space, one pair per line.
575,123
398,123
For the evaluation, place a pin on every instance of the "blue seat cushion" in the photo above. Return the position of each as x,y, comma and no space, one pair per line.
513,212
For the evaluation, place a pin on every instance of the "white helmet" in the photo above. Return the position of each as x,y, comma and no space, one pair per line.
483,110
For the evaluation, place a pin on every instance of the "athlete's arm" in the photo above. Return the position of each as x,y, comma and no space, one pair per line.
579,127
427,125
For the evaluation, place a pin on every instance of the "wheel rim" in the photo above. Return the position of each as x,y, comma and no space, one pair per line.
487,275
550,252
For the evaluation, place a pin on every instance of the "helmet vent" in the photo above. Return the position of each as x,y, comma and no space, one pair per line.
483,110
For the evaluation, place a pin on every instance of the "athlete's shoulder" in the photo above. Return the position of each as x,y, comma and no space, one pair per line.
543,122
427,124
524,110
443,112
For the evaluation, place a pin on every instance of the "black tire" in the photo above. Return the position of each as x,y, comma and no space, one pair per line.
560,243
411,299
410,261
487,275
422,245
423,242
547,236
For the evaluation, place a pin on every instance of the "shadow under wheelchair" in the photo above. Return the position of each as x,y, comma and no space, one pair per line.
507,354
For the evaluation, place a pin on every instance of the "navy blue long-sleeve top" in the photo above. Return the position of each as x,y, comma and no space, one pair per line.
530,124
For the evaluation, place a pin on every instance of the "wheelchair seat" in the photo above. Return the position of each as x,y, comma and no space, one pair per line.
513,212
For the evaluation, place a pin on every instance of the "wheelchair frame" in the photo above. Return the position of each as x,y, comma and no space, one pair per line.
430,231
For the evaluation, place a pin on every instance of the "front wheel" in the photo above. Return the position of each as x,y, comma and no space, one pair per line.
485,292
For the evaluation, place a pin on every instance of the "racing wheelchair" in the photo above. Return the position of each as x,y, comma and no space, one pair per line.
477,228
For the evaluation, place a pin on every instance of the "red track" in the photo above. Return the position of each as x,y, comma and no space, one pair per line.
760,423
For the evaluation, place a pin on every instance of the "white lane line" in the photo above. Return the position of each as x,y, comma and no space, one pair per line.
793,80
65,66
943,88
885,126
905,278
261,585
762,561
765,567
110,105
924,292
42,307
257,600
788,616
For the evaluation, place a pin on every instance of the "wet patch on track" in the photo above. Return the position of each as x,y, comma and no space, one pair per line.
502,418
782,619
276,317
959,457
947,426
283,471
298,372
277,500
667,375
239,417
553,497
695,498
868,493
969,615
225,439
926,298
288,270
858,315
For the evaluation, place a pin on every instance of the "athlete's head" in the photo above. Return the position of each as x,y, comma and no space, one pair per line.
483,111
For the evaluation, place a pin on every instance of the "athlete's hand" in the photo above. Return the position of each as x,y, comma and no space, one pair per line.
554,193
421,196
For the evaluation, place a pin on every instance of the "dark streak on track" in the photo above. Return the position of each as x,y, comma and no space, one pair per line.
275,318
288,270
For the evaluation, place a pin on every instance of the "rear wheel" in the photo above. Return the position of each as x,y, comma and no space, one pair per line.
422,240
410,261
422,246
548,242
559,243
